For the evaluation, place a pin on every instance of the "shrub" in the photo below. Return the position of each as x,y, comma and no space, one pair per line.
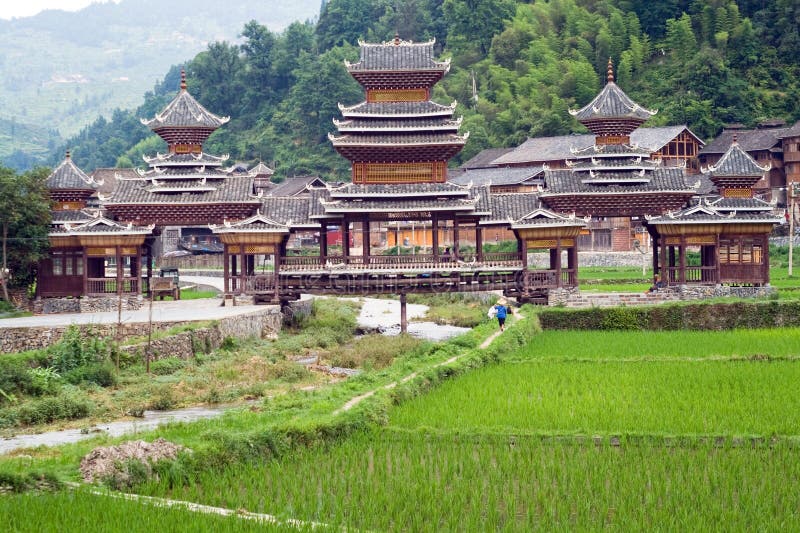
374,351
167,366
76,349
45,410
163,400
43,380
289,371
102,374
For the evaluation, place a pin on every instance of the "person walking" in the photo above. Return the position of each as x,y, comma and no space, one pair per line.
500,311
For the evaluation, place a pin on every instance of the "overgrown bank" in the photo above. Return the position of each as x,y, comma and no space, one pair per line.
695,316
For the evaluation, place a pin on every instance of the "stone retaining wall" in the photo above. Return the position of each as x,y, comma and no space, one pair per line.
576,298
86,304
261,323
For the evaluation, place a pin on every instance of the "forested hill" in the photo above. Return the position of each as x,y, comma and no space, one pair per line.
702,62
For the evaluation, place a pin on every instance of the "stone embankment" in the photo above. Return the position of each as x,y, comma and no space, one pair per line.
261,323
577,298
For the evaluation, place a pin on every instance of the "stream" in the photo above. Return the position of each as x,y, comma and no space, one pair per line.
376,315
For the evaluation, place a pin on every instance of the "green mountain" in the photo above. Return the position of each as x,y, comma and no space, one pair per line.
701,62
59,71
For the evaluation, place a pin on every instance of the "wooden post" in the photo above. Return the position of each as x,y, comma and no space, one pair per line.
559,281
118,254
365,239
435,238
226,271
242,270
149,259
455,254
682,259
85,271
346,239
323,242
403,314
478,243
654,242
277,271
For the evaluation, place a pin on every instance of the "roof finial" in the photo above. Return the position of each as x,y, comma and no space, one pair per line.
396,38
610,76
68,156
183,79
735,139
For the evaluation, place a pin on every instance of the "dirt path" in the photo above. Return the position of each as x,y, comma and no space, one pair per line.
358,399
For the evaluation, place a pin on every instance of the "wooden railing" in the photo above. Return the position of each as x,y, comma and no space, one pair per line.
703,275
101,286
401,262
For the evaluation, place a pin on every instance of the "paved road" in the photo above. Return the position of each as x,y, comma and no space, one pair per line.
181,311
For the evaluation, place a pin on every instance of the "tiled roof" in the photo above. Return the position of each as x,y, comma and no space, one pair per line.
485,158
546,217
394,125
499,176
295,185
178,160
73,216
258,223
561,147
736,162
422,139
794,131
397,55
67,176
185,111
484,205
704,213
508,207
740,204
106,178
612,102
372,191
261,170
749,140
393,110
229,190
610,151
399,205
662,179
101,224
292,211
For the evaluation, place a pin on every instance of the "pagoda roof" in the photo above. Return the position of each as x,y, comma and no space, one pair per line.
417,190
67,176
704,213
611,103
541,217
610,151
397,54
258,223
261,170
793,131
185,112
399,205
419,139
499,176
100,224
614,164
184,160
397,125
736,162
740,204
394,110
663,179
189,191
106,178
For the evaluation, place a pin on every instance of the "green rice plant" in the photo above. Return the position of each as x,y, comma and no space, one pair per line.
385,480
706,397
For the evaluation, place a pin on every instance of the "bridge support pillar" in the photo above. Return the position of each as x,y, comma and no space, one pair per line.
403,315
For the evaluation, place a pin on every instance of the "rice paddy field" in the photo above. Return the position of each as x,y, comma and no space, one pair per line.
577,431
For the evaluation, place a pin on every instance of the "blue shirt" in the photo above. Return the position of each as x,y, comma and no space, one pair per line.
501,310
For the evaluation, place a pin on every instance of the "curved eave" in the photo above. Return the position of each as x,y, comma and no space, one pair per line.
598,108
598,194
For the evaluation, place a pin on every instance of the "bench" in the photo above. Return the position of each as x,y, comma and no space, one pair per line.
165,287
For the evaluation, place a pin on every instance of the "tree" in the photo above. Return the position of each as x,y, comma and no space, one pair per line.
24,224
476,21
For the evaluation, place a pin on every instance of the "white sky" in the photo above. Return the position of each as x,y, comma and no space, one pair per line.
26,8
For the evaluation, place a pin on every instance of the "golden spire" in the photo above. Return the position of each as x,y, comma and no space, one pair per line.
183,79
610,76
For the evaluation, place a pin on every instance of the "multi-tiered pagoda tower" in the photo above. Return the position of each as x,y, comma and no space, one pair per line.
398,134
613,177
185,186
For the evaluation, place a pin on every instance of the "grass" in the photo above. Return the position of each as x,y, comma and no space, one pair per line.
455,309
